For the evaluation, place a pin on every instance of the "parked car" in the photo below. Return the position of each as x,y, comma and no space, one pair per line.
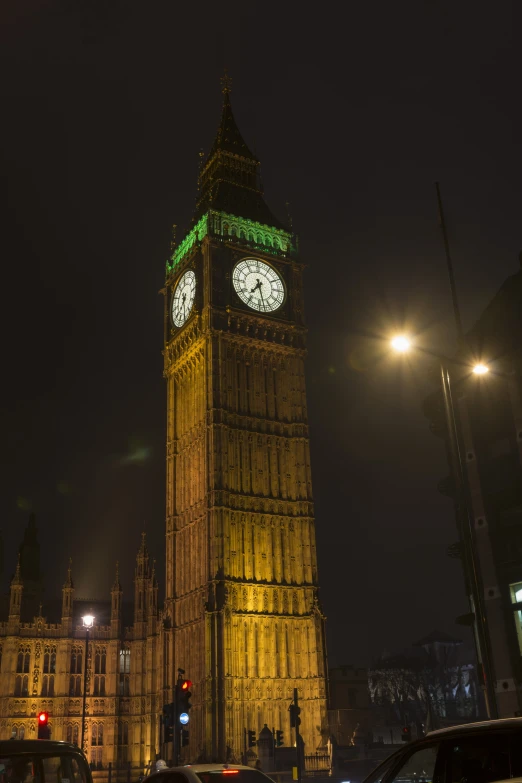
42,761
487,752
209,773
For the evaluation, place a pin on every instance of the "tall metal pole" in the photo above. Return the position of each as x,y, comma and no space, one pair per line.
464,508
465,527
298,741
85,686
449,264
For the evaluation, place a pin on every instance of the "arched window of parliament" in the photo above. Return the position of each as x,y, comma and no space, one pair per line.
123,740
21,685
124,672
48,685
76,660
75,685
72,733
99,685
100,660
49,664
23,660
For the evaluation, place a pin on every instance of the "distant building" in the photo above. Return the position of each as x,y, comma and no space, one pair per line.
432,684
349,715
489,410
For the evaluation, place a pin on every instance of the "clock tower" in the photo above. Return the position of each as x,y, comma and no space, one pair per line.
242,584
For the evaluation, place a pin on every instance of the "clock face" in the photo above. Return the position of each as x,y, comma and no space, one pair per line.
258,285
183,298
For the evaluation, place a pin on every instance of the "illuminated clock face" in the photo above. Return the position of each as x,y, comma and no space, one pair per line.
258,285
183,298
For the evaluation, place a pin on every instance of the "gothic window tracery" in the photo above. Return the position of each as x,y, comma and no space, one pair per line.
48,685
49,664
75,685
23,660
76,660
21,685
124,672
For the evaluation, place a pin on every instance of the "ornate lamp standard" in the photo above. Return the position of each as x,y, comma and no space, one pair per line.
88,622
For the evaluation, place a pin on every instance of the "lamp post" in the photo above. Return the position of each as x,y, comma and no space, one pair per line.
403,344
88,622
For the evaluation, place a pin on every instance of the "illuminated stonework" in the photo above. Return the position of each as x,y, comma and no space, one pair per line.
249,233
42,664
241,582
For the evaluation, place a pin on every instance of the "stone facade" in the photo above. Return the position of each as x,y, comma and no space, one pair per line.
43,669
242,584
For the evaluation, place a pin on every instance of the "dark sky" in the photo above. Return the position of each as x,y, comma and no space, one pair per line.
355,110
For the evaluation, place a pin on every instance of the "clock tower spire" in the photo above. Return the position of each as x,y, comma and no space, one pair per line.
242,583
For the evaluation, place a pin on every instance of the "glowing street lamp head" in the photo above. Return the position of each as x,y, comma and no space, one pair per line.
88,620
401,343
480,369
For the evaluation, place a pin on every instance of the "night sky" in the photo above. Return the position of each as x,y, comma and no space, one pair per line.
354,110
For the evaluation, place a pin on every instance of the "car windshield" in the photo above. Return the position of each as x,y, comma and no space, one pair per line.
52,768
232,776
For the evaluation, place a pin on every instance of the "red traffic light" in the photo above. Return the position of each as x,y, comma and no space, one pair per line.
185,685
43,718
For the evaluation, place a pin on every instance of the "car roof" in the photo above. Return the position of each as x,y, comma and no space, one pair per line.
464,728
215,767
199,768
12,746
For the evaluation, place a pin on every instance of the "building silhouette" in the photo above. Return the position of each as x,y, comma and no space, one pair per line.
241,614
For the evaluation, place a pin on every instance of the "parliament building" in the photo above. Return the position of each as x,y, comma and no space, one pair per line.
243,617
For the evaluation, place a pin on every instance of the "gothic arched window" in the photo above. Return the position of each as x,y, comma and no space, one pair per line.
22,662
18,685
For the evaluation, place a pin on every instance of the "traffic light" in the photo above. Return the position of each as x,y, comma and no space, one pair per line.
251,738
44,732
295,720
168,722
406,734
184,738
279,738
184,694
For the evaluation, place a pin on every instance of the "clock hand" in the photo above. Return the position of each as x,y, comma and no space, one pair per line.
257,285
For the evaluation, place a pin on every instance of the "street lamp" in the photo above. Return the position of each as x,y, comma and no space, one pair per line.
402,344
87,622
480,369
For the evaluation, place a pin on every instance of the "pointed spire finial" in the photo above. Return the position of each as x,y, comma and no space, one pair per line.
40,610
173,238
69,581
226,83
289,215
17,579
